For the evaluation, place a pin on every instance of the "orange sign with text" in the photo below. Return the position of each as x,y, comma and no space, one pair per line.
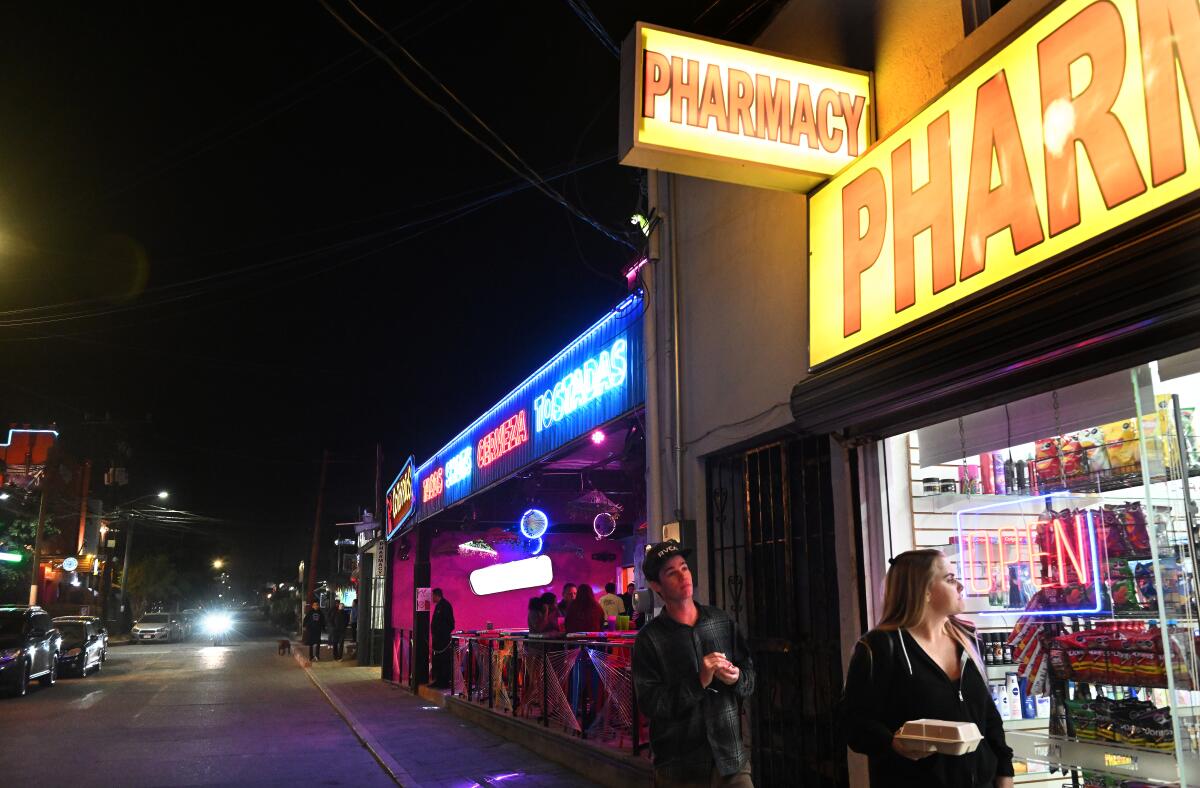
701,107
1085,123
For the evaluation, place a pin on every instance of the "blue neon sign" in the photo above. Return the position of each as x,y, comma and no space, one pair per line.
597,376
458,467
595,379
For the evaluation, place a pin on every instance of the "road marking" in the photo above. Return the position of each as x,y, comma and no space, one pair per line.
389,764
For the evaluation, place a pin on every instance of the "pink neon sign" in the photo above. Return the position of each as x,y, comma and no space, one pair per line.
433,485
510,435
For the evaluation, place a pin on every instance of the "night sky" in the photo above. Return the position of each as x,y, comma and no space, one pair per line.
232,237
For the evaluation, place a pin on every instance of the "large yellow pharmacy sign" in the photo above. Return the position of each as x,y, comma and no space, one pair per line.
1084,123
701,107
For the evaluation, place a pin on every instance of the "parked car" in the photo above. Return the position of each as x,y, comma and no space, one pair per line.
163,627
29,648
82,646
95,621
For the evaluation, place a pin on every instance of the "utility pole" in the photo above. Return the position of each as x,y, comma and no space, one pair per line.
311,584
125,569
37,543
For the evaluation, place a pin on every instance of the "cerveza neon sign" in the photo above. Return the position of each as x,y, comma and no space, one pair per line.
594,378
458,467
1073,555
511,433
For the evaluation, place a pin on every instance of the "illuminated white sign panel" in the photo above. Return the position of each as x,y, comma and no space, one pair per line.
596,376
513,576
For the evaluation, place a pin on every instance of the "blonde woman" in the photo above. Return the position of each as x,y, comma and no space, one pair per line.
921,662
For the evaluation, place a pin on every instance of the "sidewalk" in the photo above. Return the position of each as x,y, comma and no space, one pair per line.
423,745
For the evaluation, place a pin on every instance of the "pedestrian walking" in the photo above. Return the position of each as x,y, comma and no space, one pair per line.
691,670
314,625
613,605
338,618
441,625
920,662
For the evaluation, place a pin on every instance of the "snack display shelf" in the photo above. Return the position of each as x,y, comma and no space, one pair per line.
1129,762
1035,723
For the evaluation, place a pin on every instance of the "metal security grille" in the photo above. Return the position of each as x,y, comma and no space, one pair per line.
773,568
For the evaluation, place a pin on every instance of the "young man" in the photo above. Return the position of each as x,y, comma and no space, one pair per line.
613,605
690,670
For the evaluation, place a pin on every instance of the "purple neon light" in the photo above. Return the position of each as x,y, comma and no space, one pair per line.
1021,611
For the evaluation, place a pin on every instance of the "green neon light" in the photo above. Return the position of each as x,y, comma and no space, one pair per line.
12,557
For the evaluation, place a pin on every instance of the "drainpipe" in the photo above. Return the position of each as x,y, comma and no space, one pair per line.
678,436
650,318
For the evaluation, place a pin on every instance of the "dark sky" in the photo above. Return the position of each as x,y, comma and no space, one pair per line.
235,237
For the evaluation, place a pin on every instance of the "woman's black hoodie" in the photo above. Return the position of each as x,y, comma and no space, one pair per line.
891,680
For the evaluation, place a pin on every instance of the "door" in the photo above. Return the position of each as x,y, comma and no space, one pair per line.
774,569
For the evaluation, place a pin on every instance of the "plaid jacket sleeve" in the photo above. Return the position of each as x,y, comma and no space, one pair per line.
663,693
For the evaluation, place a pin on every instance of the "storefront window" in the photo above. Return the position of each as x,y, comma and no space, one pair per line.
1071,519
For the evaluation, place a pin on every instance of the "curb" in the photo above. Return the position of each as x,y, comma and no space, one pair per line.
389,764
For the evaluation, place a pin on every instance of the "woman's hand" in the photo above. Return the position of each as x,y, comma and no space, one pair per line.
906,750
1004,782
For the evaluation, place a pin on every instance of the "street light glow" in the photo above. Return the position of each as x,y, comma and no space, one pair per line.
163,494
4,496
218,563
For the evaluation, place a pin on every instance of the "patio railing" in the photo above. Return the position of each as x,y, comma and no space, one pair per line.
582,686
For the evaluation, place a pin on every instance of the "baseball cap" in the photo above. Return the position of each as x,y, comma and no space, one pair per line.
658,555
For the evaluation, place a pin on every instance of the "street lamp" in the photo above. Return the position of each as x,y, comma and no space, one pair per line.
161,495
218,563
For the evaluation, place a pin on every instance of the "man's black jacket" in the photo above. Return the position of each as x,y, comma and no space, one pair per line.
691,727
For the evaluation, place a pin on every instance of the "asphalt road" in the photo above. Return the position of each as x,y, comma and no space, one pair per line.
184,714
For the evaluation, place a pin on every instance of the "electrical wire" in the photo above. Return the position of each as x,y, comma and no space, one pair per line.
528,173
585,14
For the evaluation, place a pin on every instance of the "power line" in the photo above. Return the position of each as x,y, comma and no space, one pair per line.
528,174
585,14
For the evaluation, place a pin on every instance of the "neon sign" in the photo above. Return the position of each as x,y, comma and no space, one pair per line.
433,485
400,500
1071,556
591,380
500,441
458,467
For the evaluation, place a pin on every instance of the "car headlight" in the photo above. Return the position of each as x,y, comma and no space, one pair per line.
9,654
74,652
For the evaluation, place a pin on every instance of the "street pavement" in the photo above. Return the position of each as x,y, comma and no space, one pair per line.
239,714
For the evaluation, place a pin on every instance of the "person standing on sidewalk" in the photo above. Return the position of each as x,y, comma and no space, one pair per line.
337,630
691,670
314,625
920,662
441,625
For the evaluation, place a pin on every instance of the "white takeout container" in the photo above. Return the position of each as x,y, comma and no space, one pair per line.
941,736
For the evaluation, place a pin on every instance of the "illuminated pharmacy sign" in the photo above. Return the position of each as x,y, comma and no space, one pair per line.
597,378
1058,557
593,379
1081,126
400,501
702,107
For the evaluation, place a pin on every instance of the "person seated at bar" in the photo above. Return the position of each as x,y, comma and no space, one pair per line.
551,623
536,617
585,613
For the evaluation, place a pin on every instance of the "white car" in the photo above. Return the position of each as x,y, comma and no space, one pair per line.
162,627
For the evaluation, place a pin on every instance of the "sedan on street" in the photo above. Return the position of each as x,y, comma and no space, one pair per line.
82,647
